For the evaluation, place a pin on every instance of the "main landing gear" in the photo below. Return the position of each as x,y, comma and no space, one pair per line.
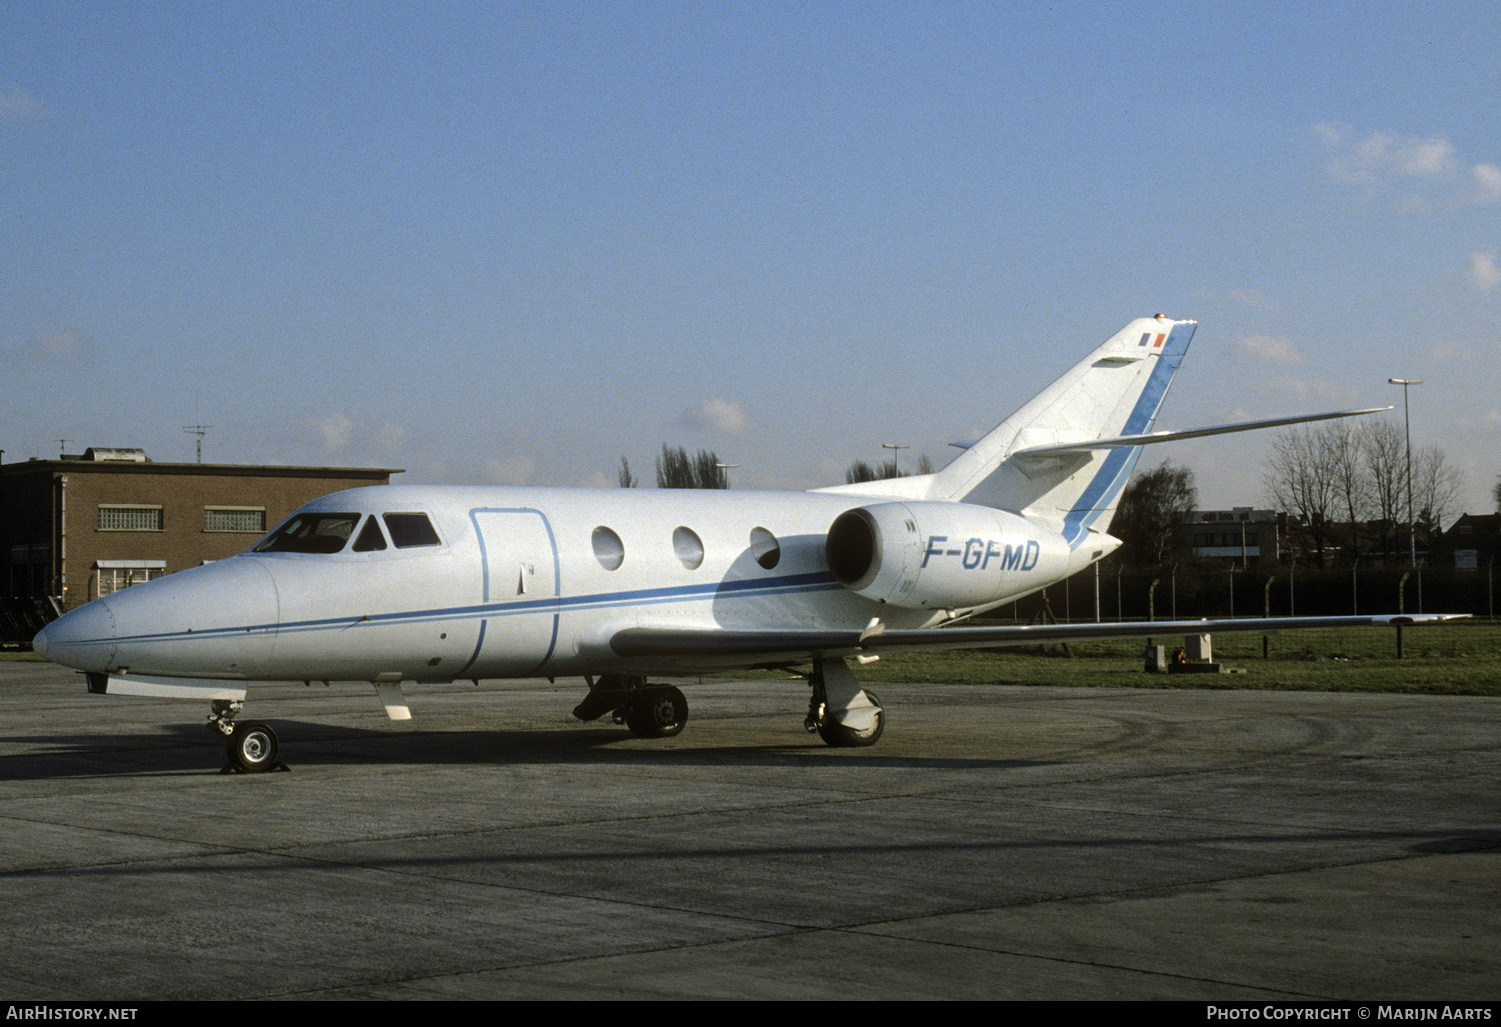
844,714
650,711
250,747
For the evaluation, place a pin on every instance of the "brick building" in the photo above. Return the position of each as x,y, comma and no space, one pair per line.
1472,543
1241,537
79,527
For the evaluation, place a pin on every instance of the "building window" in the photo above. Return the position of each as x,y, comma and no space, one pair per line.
235,518
130,518
30,570
117,574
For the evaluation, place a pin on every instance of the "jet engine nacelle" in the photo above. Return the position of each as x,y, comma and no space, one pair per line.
925,555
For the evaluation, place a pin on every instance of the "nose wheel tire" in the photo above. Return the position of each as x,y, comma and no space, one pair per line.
657,712
252,748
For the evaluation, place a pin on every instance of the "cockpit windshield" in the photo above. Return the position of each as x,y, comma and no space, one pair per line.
310,533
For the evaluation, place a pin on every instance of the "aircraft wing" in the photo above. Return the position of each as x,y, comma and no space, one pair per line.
697,647
1086,446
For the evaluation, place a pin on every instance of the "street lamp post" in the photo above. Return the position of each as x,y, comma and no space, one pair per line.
1412,543
896,448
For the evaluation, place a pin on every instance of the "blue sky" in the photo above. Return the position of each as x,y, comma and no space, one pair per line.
511,243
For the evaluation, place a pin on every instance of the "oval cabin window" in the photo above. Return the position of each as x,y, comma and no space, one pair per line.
608,549
765,548
689,547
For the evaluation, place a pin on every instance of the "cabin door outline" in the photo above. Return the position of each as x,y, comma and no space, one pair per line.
519,588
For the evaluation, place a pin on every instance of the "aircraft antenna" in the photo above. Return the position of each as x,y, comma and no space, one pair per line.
199,430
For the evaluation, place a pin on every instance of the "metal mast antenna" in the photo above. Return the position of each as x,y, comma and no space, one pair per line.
199,430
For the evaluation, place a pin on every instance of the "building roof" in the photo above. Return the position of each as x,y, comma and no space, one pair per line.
1475,524
84,465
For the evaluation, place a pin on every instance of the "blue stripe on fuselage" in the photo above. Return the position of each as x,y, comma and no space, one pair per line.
787,585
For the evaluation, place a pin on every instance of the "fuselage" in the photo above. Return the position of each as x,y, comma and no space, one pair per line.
513,582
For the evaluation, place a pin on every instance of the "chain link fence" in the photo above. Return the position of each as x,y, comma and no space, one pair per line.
1176,594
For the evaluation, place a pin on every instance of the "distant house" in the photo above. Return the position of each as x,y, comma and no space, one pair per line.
83,526
1239,537
1471,542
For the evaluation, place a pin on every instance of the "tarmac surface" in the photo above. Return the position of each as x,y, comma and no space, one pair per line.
999,842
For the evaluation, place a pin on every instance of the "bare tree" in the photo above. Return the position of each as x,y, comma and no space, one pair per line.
677,470
1361,475
709,471
1383,449
1299,478
1150,508
1436,488
1342,440
1496,495
861,471
627,479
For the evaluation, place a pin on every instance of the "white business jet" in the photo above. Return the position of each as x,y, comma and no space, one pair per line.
399,584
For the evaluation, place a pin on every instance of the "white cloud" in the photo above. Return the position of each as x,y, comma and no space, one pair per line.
1488,182
1484,275
17,106
391,435
335,431
1253,299
1380,155
1423,158
512,470
1384,160
1453,353
1332,134
1311,389
59,343
716,415
1270,349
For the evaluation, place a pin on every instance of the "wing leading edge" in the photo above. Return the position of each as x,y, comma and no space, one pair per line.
1033,453
696,647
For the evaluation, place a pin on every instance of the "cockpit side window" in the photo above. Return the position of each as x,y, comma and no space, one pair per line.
411,529
311,533
370,539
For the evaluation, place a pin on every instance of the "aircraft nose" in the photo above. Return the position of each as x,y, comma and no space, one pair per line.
83,638
215,620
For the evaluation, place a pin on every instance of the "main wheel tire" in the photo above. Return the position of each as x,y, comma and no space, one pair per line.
657,712
252,747
841,737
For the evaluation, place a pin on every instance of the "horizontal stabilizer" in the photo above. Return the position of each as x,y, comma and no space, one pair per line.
1063,448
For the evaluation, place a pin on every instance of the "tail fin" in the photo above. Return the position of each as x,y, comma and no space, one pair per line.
1116,390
